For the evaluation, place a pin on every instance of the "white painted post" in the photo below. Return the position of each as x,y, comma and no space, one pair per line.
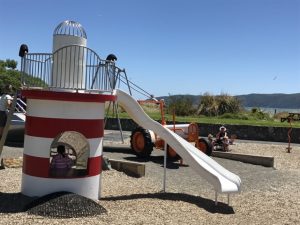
216,198
228,199
165,167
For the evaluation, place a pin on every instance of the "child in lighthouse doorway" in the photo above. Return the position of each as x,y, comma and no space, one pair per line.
61,163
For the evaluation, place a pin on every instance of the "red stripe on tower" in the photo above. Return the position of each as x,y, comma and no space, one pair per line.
50,127
36,166
40,167
67,96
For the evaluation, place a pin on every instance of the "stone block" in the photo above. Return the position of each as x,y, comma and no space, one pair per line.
130,168
266,161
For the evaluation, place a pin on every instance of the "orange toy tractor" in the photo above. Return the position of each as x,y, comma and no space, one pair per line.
143,141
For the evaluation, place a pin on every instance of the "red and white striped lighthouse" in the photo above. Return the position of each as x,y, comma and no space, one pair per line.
48,115
66,103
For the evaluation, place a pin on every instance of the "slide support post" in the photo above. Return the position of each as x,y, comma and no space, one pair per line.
165,167
228,199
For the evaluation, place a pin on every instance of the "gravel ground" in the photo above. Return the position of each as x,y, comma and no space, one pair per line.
269,195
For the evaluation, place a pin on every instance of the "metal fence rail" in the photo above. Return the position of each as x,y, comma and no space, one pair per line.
36,70
71,67
20,106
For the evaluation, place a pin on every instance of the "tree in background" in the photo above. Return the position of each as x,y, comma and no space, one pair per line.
208,105
9,74
182,105
2,66
8,63
11,64
211,105
228,104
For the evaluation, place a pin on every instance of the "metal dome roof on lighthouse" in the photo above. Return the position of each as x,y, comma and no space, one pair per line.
70,28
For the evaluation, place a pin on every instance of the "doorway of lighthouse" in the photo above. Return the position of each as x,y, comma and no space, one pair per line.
69,153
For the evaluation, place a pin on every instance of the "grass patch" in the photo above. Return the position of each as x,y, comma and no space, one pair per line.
255,117
228,120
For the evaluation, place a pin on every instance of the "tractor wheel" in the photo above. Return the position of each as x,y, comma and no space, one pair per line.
172,154
204,146
141,143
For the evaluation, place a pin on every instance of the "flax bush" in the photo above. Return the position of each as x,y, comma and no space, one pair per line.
211,105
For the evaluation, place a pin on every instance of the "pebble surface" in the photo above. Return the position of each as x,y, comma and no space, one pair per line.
128,200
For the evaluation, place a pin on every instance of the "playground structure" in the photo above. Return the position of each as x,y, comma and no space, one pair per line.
223,180
66,91
143,140
290,118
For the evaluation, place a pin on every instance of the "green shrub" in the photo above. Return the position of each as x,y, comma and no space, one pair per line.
218,105
258,114
182,105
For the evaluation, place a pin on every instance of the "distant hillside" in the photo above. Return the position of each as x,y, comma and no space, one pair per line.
289,101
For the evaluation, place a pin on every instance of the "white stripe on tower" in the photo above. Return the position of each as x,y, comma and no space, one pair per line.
65,109
33,146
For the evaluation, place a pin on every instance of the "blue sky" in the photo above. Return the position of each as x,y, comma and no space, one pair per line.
174,46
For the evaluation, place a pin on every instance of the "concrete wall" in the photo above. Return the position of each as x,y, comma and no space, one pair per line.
259,133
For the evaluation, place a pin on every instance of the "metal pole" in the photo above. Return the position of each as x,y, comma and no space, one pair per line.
100,180
165,167
95,76
289,136
107,111
128,85
119,122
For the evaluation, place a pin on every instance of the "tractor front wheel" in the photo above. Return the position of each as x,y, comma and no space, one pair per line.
172,154
141,142
203,146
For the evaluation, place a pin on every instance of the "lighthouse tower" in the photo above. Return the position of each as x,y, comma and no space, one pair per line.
63,110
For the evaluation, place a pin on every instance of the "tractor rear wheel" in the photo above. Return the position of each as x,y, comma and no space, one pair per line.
141,143
203,146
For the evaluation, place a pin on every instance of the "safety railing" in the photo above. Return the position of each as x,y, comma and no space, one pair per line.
20,106
71,67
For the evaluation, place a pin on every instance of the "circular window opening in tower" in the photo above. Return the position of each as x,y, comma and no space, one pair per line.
69,153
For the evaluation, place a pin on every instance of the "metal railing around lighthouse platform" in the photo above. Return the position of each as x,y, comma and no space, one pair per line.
73,67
